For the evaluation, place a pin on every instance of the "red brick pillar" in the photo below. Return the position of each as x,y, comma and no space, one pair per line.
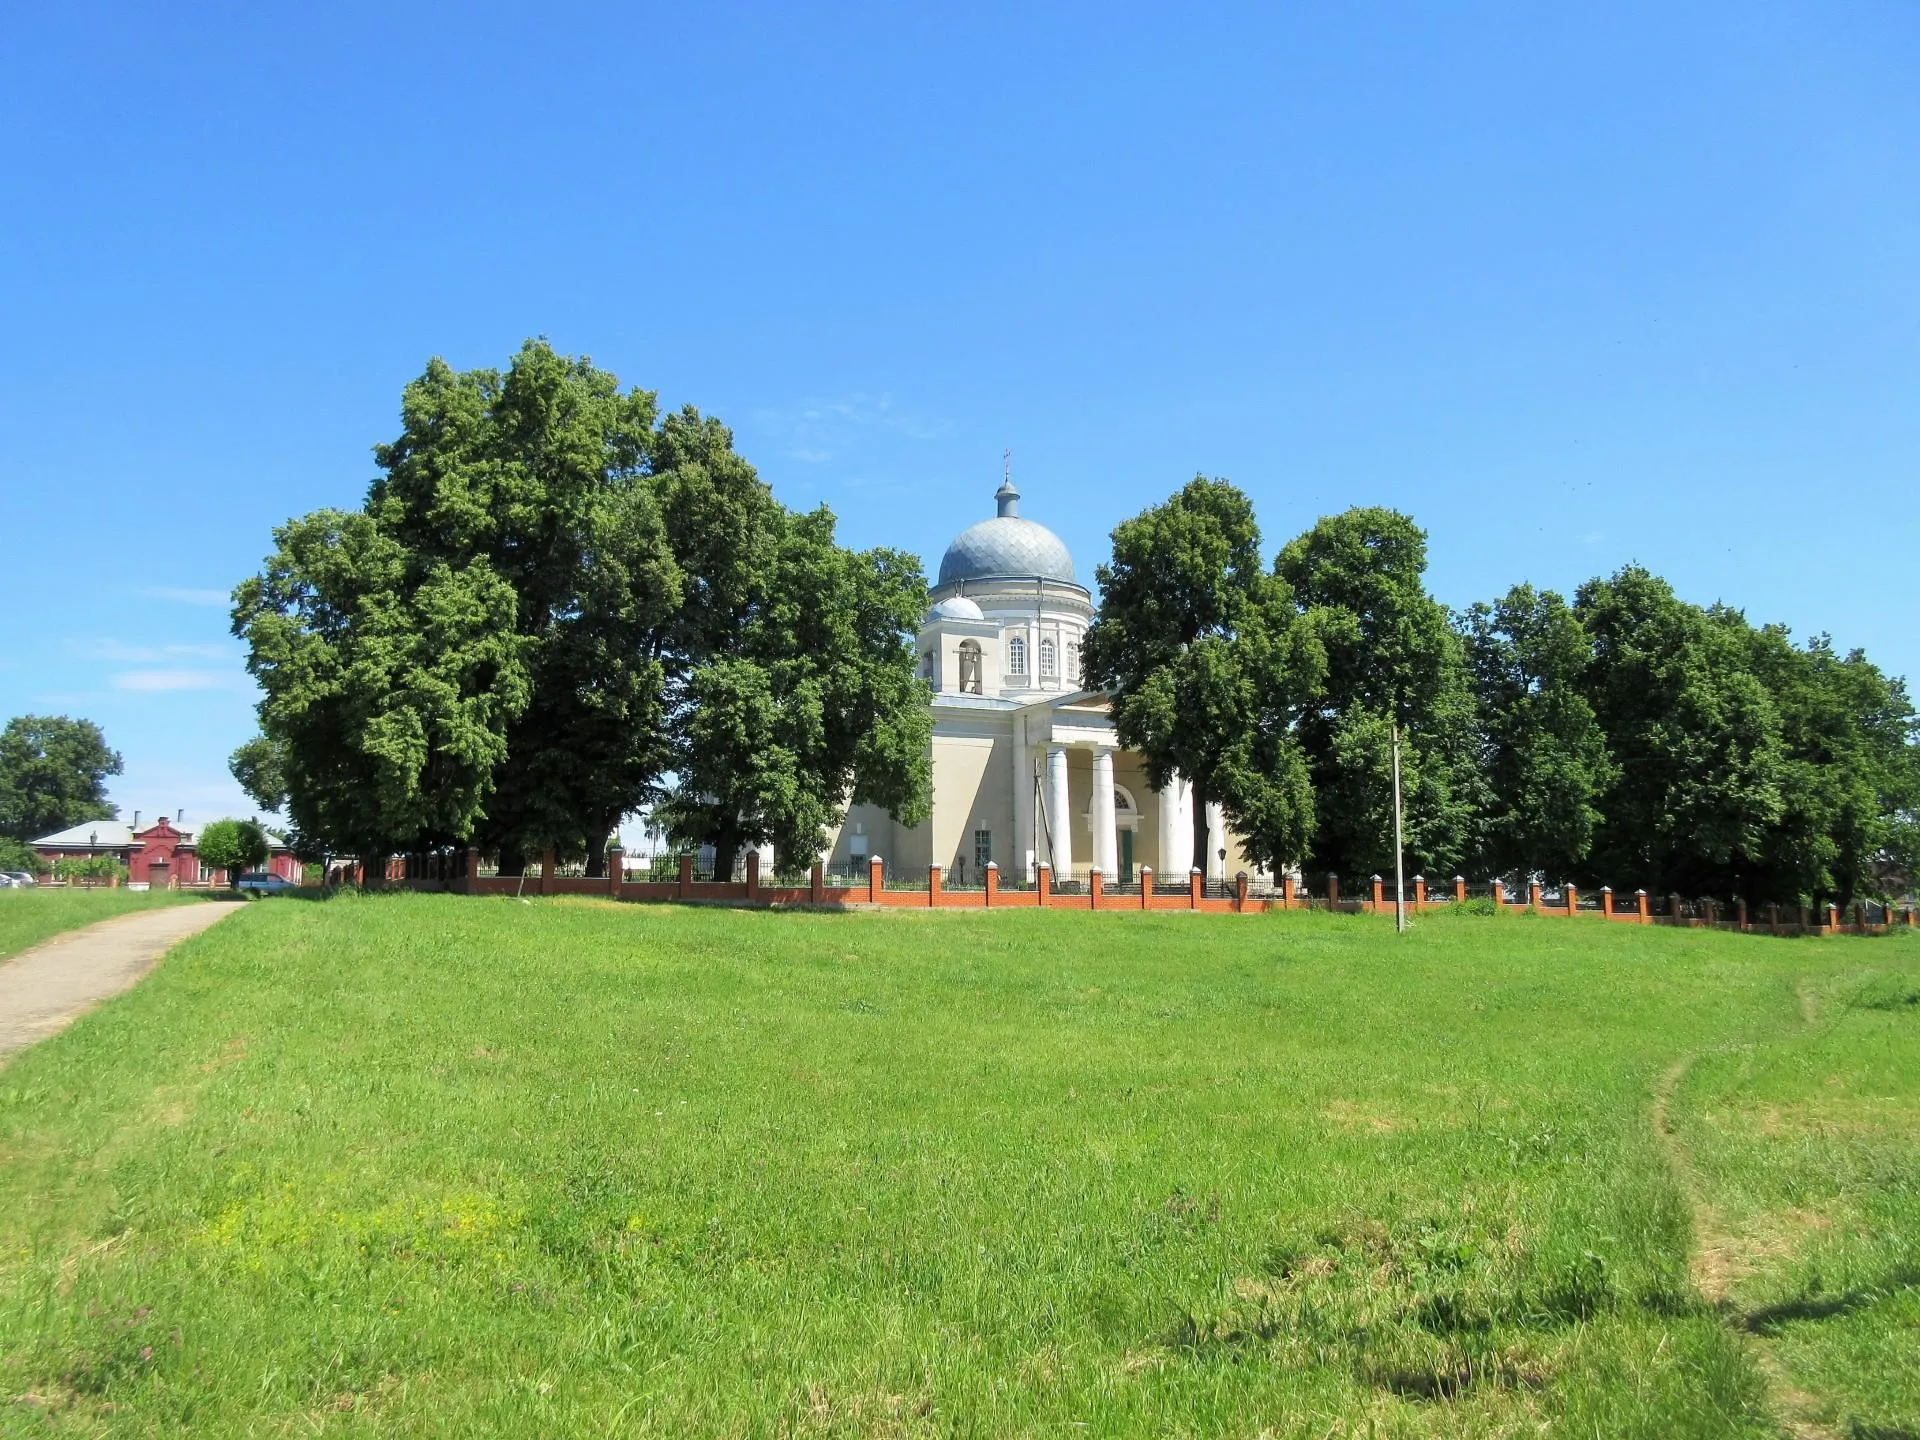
1094,882
1806,920
686,876
548,864
616,871
1419,892
1606,901
876,879
1910,917
1573,900
1740,914
1673,908
1640,902
1533,894
753,874
993,881
1833,918
1773,919
1379,892
1146,887
817,883
933,886
1286,891
1459,889
1043,882
1333,892
1499,894
473,871
1240,891
1194,881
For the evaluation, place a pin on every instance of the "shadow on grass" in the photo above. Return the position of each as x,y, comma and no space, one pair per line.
1770,1319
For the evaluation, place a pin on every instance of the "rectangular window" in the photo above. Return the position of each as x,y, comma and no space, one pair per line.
982,850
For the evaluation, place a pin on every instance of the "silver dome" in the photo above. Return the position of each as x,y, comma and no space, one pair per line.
956,607
1006,547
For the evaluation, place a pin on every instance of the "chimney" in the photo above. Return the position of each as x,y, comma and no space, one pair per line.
136,822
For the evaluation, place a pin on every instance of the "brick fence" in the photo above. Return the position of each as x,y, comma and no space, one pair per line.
1637,909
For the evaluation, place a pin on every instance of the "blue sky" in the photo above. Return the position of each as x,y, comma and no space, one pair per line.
1573,285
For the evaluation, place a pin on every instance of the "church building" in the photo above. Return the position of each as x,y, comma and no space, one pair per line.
1026,765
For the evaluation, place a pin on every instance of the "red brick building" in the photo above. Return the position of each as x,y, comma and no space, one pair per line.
161,855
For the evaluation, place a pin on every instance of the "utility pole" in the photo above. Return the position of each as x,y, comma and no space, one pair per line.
1399,862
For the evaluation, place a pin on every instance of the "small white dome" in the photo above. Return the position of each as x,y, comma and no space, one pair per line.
956,607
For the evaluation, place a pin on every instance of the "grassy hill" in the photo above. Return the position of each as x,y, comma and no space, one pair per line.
426,1165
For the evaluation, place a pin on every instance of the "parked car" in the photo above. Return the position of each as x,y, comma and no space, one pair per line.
17,878
263,883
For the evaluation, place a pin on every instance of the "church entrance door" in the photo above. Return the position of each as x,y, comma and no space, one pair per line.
1126,857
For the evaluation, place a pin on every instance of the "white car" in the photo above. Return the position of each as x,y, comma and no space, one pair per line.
18,879
263,883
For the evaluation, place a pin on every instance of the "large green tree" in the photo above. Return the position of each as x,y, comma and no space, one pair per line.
1393,657
389,681
1696,737
482,653
53,773
260,767
1209,665
543,473
1545,757
803,697
1849,776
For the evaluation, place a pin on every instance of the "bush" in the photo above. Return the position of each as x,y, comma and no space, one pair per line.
233,846
90,870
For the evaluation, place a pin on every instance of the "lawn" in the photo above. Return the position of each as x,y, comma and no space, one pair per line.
435,1166
29,916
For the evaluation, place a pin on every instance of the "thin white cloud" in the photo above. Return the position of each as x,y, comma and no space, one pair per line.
152,654
816,430
186,596
178,680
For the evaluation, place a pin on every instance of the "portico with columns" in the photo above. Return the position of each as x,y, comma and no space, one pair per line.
1027,768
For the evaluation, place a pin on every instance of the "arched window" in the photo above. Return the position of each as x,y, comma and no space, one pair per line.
1017,655
970,667
1049,660
1073,661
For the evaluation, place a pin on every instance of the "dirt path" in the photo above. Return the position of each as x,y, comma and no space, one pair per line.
1720,1259
45,989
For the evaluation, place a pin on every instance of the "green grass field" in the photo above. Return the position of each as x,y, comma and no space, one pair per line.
29,916
424,1165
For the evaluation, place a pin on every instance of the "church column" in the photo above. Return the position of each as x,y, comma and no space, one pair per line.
1106,844
1021,861
1168,861
1059,813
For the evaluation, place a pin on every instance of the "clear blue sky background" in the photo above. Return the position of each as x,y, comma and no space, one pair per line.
1573,285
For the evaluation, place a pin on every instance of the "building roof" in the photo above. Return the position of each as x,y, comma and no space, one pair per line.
1007,547
91,835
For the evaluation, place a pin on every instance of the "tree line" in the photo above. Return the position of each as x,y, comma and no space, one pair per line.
557,607
1627,737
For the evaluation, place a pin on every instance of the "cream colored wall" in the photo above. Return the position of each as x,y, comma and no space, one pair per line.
972,790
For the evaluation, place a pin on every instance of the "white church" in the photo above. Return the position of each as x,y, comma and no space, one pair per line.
1026,765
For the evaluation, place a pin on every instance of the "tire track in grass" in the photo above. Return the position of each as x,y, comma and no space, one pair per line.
1719,1259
